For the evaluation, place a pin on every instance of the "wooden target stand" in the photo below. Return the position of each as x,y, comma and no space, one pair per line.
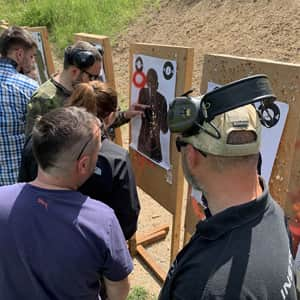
284,80
44,60
107,64
3,25
165,187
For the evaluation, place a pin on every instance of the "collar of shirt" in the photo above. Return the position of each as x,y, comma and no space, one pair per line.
9,61
65,91
233,217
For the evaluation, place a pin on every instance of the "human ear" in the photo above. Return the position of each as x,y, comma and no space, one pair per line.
83,165
19,55
192,156
75,72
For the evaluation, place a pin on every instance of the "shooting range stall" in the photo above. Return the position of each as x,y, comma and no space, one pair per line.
164,186
284,78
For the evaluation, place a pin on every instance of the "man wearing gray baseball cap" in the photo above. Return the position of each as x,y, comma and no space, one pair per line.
242,250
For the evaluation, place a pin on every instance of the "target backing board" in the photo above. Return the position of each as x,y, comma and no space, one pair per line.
164,185
284,78
44,60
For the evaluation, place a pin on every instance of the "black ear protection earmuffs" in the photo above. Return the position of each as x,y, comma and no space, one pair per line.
80,58
187,114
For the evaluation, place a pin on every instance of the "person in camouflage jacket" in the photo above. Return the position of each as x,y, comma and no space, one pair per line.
82,63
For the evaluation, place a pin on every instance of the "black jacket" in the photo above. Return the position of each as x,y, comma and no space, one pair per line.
239,253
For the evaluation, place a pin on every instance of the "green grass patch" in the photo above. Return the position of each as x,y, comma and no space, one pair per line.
63,18
139,293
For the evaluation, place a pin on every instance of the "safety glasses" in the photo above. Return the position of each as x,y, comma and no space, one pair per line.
91,76
87,142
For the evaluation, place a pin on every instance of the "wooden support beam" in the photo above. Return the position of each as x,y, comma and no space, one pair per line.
152,237
161,275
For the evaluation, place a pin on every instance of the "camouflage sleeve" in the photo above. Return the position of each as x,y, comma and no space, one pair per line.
38,106
33,110
120,120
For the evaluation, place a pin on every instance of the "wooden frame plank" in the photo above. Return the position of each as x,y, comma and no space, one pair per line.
48,63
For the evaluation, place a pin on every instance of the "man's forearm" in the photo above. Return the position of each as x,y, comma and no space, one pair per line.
117,290
120,120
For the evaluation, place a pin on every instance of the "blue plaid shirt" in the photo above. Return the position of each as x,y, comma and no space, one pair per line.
15,92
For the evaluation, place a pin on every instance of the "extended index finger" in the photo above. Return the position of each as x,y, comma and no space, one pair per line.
141,106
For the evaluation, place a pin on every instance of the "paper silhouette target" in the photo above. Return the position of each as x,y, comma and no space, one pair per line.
152,84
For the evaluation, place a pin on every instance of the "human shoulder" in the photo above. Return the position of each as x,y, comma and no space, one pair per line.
100,218
144,90
110,150
114,159
9,193
21,83
13,188
27,82
94,208
11,76
274,204
46,91
46,98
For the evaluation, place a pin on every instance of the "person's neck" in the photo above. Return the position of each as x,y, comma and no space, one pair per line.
231,190
50,182
64,79
14,61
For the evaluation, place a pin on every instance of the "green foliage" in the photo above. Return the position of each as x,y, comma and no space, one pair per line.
63,18
139,293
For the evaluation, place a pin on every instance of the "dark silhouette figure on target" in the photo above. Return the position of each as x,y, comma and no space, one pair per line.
154,119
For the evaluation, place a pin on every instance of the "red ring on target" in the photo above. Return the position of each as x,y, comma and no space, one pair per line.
139,83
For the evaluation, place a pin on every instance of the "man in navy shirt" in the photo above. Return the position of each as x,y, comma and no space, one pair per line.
53,244
241,250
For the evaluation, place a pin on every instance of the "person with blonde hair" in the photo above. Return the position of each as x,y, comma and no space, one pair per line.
113,180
